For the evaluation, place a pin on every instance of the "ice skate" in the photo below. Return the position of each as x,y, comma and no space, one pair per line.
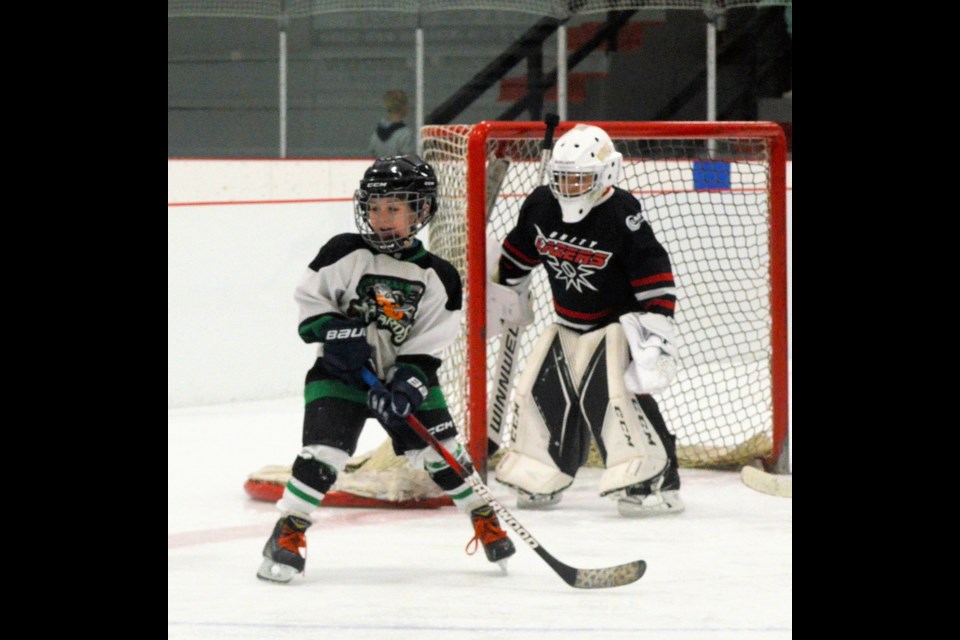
537,501
650,504
652,498
282,559
487,531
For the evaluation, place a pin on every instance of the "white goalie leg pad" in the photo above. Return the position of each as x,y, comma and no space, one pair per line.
527,465
635,453
531,475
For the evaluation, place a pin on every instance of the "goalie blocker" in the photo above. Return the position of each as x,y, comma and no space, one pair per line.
566,394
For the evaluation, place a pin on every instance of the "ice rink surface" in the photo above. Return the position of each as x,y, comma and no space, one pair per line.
722,570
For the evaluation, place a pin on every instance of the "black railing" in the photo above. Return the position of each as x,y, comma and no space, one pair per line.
528,46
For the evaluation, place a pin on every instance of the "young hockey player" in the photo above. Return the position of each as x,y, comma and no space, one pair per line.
377,299
613,343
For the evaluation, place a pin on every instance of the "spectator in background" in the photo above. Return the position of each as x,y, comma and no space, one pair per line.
392,136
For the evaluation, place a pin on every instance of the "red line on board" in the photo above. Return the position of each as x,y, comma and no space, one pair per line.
233,202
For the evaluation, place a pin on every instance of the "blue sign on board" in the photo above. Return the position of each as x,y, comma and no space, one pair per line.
711,175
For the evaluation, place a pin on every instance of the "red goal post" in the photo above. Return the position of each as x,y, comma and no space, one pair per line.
715,194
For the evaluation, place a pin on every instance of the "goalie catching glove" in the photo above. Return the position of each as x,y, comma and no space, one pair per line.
400,397
345,349
507,305
653,350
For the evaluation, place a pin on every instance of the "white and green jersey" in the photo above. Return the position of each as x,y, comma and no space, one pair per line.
411,300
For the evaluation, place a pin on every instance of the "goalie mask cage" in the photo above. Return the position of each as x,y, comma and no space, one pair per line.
714,193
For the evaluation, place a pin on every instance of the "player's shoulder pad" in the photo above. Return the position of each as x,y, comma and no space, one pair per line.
450,278
336,248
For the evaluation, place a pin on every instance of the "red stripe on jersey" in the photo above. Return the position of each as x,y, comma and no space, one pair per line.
580,315
517,254
659,302
660,277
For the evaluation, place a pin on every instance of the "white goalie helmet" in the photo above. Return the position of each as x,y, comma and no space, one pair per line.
583,164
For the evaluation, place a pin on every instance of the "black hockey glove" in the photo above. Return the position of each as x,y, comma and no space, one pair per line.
345,349
393,403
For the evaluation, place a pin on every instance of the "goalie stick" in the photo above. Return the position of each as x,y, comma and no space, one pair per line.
616,576
496,172
511,332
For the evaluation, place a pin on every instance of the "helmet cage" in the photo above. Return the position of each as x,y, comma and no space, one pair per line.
585,153
391,239
405,178
563,183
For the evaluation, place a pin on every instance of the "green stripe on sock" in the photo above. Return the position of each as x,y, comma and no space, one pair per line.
463,494
303,496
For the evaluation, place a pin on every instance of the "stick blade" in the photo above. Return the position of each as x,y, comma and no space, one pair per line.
609,577
769,483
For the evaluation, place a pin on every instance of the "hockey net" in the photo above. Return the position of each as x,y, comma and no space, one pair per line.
714,193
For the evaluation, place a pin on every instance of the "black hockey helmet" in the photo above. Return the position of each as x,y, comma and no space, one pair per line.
407,178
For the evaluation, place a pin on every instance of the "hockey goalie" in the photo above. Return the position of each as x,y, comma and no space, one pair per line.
593,373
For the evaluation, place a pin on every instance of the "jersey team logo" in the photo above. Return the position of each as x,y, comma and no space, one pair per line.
570,259
391,302
634,221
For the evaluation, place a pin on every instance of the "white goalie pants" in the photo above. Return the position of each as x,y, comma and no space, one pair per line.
572,386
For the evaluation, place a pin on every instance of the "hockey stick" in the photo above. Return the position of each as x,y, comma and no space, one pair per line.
510,340
496,172
580,578
770,483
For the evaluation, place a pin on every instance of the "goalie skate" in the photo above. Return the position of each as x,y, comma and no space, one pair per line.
537,501
281,554
660,495
650,504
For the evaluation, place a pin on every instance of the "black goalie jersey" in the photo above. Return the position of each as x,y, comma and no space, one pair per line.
606,265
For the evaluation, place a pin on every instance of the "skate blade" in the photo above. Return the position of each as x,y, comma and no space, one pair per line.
669,503
544,504
503,565
275,572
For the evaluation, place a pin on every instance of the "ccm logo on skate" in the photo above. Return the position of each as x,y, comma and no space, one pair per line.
341,334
